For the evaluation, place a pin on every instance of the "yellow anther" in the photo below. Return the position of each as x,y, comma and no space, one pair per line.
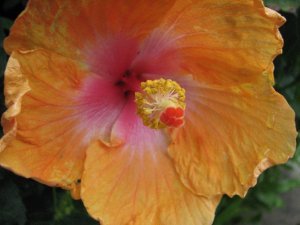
161,103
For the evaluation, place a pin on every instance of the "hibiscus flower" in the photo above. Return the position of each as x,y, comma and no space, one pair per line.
149,111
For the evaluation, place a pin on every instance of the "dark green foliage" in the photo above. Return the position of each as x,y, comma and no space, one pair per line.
288,65
5,24
67,211
287,5
26,202
12,211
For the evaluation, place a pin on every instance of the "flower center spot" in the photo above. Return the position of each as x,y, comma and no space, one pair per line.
129,83
161,103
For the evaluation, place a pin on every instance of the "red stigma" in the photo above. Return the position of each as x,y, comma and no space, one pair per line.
172,117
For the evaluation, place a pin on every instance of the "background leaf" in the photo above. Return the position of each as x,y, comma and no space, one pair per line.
287,5
12,208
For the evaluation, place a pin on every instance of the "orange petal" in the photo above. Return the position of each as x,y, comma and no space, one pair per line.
136,183
68,27
41,141
226,42
13,98
230,136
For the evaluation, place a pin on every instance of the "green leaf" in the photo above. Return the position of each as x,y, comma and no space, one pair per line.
3,60
5,23
270,200
229,212
63,206
287,5
69,211
12,208
288,185
10,4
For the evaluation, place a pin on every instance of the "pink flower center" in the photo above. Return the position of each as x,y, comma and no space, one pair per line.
130,82
119,64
